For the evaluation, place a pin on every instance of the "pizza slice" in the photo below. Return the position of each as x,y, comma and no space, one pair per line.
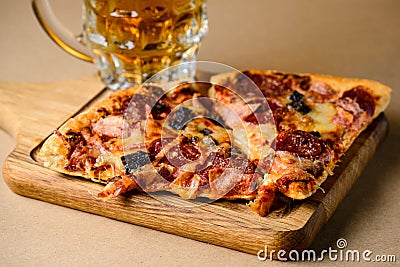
153,140
234,142
316,117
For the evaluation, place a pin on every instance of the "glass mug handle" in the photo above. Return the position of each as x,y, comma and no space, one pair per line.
63,37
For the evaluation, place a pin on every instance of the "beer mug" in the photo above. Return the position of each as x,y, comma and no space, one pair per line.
131,40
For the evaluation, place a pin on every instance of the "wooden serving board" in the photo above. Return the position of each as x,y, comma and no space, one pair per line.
30,112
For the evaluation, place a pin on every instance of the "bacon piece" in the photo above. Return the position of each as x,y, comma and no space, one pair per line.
140,106
221,181
231,183
74,138
127,147
152,90
320,92
298,142
245,187
117,186
235,107
321,88
77,152
350,105
265,198
186,185
359,117
278,84
296,82
77,159
136,103
270,85
263,114
297,185
364,99
110,126
62,137
175,157
343,118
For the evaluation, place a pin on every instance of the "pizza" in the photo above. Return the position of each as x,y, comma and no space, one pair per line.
128,142
255,135
317,118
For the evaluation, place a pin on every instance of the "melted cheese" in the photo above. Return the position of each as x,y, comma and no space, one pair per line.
254,139
322,116
108,159
320,119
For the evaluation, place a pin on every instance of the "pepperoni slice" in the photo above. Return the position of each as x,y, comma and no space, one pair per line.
213,161
364,99
298,142
189,148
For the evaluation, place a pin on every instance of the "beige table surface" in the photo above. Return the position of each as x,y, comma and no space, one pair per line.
356,38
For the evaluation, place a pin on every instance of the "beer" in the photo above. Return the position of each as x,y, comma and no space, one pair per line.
134,39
